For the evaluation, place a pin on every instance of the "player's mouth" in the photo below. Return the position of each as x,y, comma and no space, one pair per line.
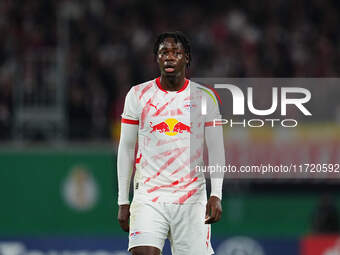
169,68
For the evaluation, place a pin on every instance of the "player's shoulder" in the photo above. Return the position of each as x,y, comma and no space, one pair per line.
143,86
201,88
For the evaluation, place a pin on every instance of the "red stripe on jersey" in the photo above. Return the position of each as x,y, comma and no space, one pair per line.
191,174
211,123
215,92
208,235
159,85
194,157
163,186
145,111
186,185
136,88
185,85
188,176
128,121
181,167
177,151
155,199
145,90
138,159
162,142
163,107
158,82
185,197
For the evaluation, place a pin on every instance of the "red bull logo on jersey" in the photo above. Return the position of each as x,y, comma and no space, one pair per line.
170,127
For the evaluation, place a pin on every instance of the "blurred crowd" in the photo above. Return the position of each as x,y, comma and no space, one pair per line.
108,45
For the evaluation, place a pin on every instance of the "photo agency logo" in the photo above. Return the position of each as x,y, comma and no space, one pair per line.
281,98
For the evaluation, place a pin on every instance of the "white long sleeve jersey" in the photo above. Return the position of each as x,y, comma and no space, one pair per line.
171,130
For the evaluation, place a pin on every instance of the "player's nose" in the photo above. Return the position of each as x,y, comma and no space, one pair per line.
170,56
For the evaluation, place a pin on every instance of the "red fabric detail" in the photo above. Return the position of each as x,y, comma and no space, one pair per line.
162,142
163,186
135,233
211,124
159,85
163,107
128,121
216,94
145,90
138,159
185,197
155,106
185,85
208,233
177,152
155,199
145,111
158,82
188,161
208,236
186,185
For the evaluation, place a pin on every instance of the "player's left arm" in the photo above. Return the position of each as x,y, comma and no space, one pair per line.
215,145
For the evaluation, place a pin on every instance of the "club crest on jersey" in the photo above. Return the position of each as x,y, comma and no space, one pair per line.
170,127
188,106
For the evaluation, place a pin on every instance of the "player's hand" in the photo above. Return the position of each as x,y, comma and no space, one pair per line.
213,211
123,217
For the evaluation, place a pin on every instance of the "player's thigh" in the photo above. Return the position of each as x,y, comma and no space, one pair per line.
145,250
148,225
188,232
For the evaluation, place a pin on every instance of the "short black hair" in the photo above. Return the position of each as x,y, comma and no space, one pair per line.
179,37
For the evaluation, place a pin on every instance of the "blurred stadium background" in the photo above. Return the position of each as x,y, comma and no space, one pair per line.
65,67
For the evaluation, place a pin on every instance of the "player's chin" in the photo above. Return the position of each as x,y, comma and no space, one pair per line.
170,74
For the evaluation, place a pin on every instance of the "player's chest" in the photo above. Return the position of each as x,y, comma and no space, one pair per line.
170,114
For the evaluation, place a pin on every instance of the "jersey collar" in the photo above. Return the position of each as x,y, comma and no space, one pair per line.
159,85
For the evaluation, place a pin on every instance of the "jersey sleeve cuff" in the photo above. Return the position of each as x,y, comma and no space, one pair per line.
126,202
213,123
216,195
130,121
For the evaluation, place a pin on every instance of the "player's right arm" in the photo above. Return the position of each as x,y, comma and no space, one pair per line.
126,157
216,155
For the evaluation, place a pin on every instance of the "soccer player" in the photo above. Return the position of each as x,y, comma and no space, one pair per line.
165,117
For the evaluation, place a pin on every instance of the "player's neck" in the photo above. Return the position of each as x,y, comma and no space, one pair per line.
172,83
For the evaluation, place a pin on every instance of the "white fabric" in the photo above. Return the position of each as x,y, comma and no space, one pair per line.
170,144
214,141
125,160
151,223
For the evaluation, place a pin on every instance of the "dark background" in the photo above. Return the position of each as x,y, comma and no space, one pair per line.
66,66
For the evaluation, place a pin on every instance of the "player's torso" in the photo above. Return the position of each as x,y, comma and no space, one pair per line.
166,158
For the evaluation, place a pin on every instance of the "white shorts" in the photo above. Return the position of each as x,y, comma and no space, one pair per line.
151,223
